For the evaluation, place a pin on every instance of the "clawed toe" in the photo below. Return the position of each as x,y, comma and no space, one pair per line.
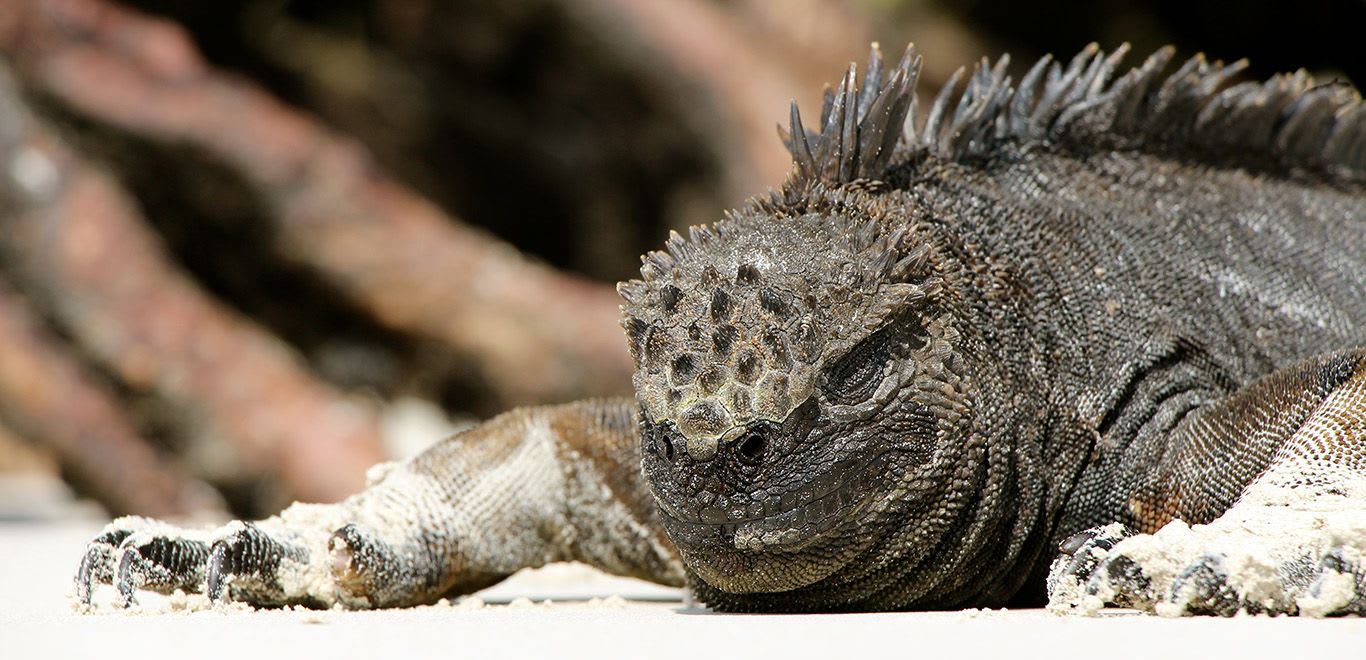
360,563
1213,570
1338,587
244,564
1203,588
135,553
1070,575
97,567
240,562
1120,581
159,563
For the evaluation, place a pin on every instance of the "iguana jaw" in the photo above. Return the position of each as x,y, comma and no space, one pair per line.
784,542
793,521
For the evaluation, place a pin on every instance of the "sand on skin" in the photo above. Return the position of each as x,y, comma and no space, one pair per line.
584,620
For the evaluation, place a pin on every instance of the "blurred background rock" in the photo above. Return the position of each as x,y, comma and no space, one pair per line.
249,248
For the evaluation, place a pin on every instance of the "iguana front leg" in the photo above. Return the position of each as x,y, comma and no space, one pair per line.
532,486
1293,542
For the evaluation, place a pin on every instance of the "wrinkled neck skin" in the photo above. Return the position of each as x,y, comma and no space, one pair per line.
941,494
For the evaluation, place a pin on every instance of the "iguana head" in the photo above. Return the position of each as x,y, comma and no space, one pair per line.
796,368
795,372
798,376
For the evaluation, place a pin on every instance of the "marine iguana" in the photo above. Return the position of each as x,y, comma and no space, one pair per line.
1082,312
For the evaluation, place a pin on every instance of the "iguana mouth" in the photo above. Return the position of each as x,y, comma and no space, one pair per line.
796,518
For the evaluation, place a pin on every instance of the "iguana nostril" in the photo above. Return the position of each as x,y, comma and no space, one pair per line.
751,448
665,446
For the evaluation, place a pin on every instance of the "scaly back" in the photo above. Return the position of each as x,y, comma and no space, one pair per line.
1289,125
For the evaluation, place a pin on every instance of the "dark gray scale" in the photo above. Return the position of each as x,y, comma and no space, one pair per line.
1033,282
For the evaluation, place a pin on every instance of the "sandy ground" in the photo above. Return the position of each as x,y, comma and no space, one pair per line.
592,615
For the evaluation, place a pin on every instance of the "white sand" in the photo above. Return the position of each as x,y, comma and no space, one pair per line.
596,616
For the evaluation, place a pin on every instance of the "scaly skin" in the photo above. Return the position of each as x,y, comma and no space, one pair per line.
530,487
1086,314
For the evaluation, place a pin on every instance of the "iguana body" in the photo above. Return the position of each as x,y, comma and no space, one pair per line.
904,379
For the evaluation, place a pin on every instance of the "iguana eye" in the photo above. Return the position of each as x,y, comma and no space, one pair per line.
856,376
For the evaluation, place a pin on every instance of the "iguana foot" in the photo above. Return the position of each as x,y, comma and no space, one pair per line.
517,491
136,554
241,561
1286,548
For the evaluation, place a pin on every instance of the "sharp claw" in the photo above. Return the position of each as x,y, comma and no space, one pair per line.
1076,541
351,559
1338,588
341,545
1075,571
215,583
241,562
137,554
361,564
1120,581
145,561
248,558
97,565
1203,588
94,568
132,569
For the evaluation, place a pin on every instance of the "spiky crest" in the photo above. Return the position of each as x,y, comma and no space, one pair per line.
1286,124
